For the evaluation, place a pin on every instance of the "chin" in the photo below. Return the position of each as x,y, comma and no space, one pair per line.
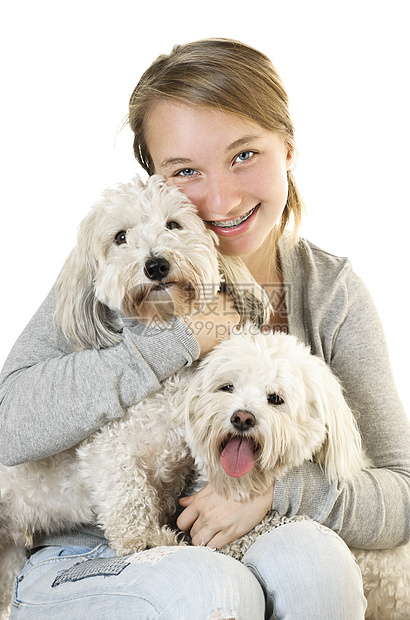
246,245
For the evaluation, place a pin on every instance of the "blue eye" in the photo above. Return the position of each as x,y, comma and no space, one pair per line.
186,172
245,155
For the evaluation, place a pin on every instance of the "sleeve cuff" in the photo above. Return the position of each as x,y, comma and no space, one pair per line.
165,349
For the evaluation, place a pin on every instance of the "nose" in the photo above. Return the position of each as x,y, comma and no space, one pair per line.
243,420
222,197
156,268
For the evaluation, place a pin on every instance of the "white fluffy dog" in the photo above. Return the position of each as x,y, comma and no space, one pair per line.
262,404
142,254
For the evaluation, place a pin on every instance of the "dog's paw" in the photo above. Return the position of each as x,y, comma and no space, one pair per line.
148,539
166,537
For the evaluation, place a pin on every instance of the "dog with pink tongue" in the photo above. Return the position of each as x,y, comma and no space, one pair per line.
261,404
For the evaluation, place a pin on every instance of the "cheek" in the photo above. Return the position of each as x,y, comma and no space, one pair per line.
270,185
194,193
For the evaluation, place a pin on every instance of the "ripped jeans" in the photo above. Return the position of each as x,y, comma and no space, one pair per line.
298,571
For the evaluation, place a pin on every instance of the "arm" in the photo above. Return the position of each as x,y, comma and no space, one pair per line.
373,511
50,398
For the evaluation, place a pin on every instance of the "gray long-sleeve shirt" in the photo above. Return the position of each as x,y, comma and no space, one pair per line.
50,398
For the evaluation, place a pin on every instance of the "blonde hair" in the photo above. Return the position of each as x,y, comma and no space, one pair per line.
223,74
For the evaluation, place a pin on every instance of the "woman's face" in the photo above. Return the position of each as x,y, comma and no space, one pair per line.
232,170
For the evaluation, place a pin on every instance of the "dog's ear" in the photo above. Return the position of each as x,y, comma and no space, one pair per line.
82,318
251,301
194,384
341,453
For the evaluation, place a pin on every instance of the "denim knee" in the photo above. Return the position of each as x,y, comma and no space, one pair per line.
307,571
159,584
206,584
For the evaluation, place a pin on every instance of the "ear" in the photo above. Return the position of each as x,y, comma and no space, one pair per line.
291,156
341,454
80,316
251,301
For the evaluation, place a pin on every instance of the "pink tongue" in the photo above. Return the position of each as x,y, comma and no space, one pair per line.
237,458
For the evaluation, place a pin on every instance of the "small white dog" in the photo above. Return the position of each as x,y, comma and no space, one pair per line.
142,254
261,404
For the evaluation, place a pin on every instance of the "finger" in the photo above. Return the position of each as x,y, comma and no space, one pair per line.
219,540
203,536
186,501
187,518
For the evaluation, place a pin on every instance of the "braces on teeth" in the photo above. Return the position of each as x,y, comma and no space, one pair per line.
235,222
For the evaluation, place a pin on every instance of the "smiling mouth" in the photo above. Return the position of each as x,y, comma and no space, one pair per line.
236,222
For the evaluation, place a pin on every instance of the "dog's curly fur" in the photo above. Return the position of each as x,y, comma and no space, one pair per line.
142,254
295,402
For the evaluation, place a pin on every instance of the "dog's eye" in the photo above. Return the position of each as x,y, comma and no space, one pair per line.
275,399
121,237
173,224
227,388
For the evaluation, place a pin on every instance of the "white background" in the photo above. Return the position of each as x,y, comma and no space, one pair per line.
68,69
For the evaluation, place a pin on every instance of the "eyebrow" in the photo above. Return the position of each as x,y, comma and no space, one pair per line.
185,161
175,161
243,142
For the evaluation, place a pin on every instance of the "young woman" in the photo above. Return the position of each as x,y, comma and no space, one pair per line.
212,117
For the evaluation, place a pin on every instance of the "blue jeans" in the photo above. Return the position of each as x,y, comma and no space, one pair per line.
298,571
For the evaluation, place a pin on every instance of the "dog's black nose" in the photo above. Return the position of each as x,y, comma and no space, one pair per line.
243,420
157,268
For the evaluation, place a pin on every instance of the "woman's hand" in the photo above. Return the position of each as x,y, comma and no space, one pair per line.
215,521
214,322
